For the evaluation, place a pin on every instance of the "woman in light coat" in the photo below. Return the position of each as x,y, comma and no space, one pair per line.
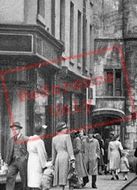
62,153
114,150
37,159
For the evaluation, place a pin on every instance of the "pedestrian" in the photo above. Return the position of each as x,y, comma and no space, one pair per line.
37,159
124,165
93,156
84,141
62,154
114,153
101,160
16,157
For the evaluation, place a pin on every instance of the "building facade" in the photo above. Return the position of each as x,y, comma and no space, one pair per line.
115,39
45,74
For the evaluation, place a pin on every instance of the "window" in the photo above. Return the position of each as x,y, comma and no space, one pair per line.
91,41
41,8
79,36
62,20
85,46
71,27
53,17
114,86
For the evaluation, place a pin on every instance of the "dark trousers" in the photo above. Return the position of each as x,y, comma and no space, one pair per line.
94,178
16,166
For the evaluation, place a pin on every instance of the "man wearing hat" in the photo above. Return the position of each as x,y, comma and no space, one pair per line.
16,157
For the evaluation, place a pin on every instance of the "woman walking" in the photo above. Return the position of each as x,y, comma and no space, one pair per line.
37,159
62,153
114,150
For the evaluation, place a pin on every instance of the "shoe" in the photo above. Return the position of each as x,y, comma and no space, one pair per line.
117,177
94,186
125,179
112,178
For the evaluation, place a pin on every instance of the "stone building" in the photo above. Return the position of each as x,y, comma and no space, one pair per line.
41,55
116,97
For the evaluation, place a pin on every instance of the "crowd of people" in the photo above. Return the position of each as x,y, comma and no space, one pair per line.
75,157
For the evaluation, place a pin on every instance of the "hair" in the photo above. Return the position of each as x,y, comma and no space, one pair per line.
38,130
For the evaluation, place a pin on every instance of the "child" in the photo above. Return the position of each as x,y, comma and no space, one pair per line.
47,178
124,165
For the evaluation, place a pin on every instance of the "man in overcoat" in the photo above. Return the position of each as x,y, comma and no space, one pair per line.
16,157
94,155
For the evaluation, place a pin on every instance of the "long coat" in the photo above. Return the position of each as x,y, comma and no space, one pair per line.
93,155
79,156
62,152
37,160
114,149
85,149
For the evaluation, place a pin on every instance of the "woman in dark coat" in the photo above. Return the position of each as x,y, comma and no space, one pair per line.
79,162
62,153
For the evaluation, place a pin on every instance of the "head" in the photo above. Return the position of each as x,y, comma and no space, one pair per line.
38,130
90,133
61,127
116,137
16,128
124,153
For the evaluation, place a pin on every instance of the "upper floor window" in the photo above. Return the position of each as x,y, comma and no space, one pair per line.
62,20
114,82
71,28
41,8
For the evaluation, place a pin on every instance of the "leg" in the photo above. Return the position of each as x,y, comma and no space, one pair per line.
113,175
22,166
11,176
62,187
94,178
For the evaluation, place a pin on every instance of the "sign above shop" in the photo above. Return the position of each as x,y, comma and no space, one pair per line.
17,43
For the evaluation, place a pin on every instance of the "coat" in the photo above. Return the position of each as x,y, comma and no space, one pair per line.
37,160
114,150
79,156
62,152
10,147
85,149
93,156
124,164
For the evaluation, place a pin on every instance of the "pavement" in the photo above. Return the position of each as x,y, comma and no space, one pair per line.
104,182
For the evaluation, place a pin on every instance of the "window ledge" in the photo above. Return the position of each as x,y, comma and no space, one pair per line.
41,20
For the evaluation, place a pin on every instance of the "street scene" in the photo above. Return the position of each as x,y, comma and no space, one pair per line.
68,94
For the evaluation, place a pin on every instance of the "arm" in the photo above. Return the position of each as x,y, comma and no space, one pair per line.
54,152
70,148
98,150
77,146
42,153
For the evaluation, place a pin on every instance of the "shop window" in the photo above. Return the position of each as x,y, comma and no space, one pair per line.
114,86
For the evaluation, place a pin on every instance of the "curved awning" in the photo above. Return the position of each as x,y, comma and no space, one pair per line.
108,112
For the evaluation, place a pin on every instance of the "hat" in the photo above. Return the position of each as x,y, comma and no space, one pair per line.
16,124
61,125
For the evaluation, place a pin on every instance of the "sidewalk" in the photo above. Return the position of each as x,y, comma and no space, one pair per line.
104,182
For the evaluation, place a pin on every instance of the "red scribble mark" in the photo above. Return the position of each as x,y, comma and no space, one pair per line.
59,60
